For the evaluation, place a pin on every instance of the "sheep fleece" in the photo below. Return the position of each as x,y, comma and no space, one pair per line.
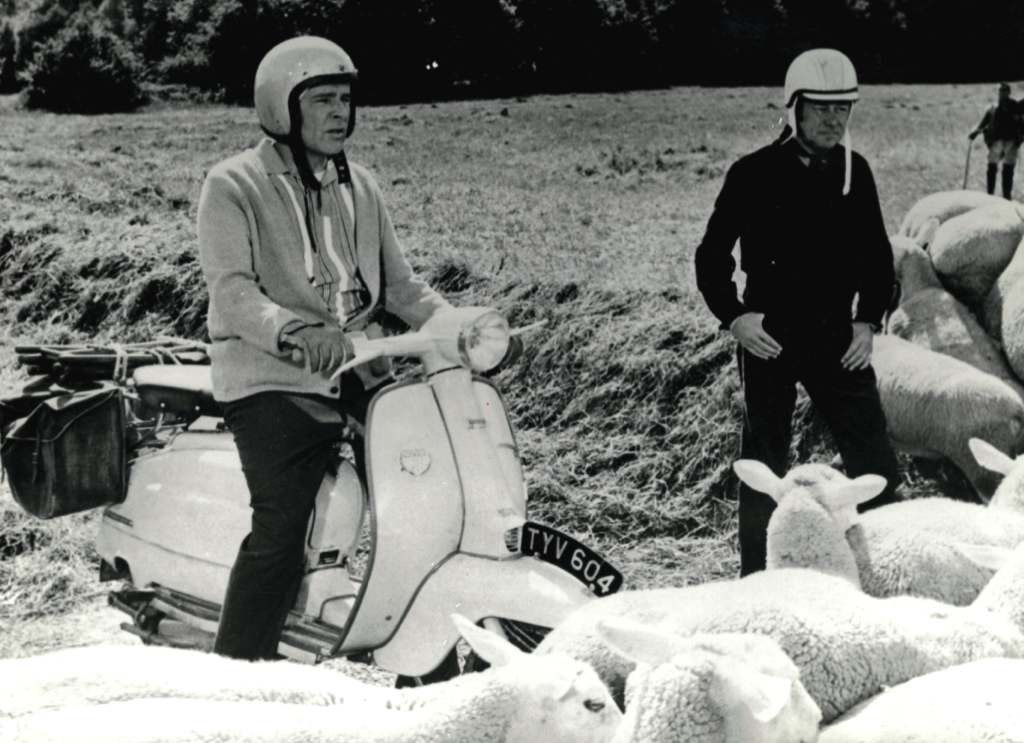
978,701
848,645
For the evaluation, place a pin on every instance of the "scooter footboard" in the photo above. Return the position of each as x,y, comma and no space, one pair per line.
525,590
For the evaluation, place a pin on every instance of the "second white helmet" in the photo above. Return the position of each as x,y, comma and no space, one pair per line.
821,75
292,64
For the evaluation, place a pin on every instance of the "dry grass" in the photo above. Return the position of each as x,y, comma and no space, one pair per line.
45,567
583,210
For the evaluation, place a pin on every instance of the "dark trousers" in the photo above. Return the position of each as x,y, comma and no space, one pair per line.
286,443
849,403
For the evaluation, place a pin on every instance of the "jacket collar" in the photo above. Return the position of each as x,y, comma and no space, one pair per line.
276,158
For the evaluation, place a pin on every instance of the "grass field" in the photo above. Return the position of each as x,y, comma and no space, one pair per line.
583,210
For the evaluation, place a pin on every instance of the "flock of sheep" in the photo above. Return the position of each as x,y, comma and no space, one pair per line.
902,624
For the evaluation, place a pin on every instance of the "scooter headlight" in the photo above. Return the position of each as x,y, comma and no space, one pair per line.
483,343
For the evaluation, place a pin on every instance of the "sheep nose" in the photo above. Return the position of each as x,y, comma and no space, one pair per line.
594,705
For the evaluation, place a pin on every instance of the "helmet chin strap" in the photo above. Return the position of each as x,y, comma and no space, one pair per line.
847,158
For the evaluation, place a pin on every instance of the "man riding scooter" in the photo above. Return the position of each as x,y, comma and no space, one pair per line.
297,249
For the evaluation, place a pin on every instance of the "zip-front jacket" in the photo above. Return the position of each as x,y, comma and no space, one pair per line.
255,260
807,250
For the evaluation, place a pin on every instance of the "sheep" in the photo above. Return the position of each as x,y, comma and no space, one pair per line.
934,404
170,720
1003,312
801,535
190,696
978,701
889,554
941,206
970,250
931,317
1000,524
847,645
1010,493
709,688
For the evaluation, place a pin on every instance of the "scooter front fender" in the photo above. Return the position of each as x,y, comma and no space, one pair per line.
523,589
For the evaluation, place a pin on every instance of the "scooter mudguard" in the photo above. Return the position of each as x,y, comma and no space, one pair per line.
522,589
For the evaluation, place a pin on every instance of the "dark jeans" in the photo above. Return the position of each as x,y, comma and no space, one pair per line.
286,443
849,402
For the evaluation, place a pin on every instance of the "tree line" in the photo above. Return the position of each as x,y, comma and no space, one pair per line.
94,54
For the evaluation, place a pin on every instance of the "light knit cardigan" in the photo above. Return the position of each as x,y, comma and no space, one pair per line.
253,259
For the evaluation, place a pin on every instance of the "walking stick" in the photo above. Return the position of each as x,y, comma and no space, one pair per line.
967,164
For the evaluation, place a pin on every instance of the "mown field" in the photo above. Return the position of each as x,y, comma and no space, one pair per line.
583,210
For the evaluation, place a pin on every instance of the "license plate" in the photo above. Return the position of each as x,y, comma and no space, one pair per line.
561,550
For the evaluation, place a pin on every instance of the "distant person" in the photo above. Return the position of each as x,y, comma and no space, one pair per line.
811,235
297,250
1001,129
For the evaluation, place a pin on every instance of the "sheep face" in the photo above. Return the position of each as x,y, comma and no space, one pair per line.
728,687
913,266
560,699
565,702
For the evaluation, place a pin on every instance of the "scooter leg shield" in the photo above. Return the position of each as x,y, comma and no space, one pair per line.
525,589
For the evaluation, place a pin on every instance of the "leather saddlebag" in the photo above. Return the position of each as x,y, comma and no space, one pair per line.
68,454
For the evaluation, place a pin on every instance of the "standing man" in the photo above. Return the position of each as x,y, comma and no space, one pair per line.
297,249
1001,128
812,239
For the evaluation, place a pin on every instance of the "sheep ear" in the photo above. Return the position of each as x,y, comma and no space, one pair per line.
638,642
764,696
758,476
495,650
926,233
989,457
856,491
985,555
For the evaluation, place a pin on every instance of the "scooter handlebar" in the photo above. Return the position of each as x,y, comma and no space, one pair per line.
414,343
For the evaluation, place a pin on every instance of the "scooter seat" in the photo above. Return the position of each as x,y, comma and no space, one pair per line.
184,389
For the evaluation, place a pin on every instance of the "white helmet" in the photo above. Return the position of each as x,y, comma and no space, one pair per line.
821,75
291,66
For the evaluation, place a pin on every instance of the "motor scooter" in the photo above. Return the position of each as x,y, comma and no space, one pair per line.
439,526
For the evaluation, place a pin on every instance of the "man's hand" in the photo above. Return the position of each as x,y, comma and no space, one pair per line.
323,349
749,331
972,135
858,355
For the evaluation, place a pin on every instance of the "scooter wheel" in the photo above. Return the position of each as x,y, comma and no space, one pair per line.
448,669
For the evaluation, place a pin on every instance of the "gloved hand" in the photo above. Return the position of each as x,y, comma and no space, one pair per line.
322,348
972,135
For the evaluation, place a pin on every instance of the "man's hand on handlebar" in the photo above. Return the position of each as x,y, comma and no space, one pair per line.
322,348
749,331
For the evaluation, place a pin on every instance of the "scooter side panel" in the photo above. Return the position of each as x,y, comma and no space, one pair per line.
524,589
500,430
415,506
186,513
